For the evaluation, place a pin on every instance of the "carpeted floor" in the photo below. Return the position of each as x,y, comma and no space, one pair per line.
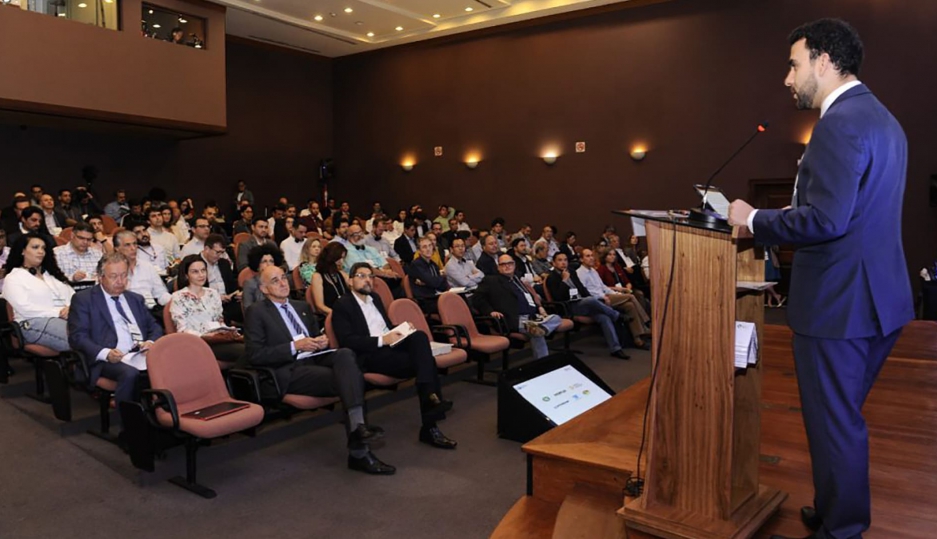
291,481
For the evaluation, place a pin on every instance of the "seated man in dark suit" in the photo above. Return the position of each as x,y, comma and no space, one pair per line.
360,323
107,321
283,334
406,246
565,286
488,259
425,278
506,296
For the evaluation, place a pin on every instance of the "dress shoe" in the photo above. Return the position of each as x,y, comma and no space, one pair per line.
436,405
534,329
370,464
434,437
811,519
620,354
364,434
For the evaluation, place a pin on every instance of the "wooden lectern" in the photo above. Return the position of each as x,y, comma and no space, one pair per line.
704,418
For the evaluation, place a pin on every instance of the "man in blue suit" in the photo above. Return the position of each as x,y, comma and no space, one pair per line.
107,321
847,305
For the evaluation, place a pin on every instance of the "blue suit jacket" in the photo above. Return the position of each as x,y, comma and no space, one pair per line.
91,329
850,277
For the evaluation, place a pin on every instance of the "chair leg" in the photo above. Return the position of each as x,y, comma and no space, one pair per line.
480,373
104,411
59,394
504,359
189,482
566,343
40,394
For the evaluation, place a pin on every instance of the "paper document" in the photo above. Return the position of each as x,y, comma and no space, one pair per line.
137,360
304,355
746,345
406,329
440,348
637,226
754,285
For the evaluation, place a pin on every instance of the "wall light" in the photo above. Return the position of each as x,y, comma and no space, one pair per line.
471,162
638,153
407,166
549,158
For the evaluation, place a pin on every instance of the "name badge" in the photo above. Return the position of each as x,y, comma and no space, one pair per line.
530,299
573,293
58,302
135,334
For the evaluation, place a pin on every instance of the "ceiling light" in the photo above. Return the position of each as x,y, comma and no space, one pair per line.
150,12
108,1
82,5
157,26
407,166
318,17
469,9
436,15
399,28
370,34
181,20
348,10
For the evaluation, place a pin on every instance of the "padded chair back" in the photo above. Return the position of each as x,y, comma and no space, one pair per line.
168,325
239,238
312,235
185,365
109,224
407,310
407,290
330,332
298,283
382,290
396,267
453,311
66,233
310,299
10,316
59,241
245,275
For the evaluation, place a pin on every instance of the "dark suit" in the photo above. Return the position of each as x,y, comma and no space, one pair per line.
504,295
91,329
428,273
522,265
411,357
404,249
269,344
487,264
848,303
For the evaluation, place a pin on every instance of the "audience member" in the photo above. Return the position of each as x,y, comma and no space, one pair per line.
200,233
360,251
524,233
548,238
437,232
497,230
135,215
221,277
474,245
144,279
210,212
77,259
36,192
361,324
284,335
568,248
376,239
540,262
108,322
487,261
523,267
460,217
426,280
53,220
329,282
243,193
340,230
260,232
197,310
152,253
243,225
308,258
615,277
31,221
638,320
505,296
292,246
459,270
632,261
38,291
396,230
161,235
13,214
86,203
177,223
419,220
257,259
70,213
444,214
101,239
329,209
449,236
312,218
406,246
564,286
4,256
278,231
437,257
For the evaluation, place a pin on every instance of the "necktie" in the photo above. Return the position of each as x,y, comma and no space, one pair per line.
299,240
297,327
120,309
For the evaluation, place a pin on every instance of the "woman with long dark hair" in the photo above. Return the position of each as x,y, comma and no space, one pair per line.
38,291
329,282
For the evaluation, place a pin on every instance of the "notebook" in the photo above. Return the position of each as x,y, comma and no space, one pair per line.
215,410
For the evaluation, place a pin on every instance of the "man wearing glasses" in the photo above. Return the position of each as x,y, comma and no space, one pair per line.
200,233
77,259
143,277
360,323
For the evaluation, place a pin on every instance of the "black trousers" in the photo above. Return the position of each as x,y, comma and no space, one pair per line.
327,375
412,357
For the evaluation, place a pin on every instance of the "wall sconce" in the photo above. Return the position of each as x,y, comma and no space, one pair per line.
471,163
639,153
549,158
407,166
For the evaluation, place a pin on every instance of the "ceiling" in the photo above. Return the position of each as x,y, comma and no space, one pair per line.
335,28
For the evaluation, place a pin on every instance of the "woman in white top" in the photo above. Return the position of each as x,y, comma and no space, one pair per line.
39,292
197,310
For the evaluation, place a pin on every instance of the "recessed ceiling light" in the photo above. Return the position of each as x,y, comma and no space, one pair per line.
82,5
318,17
150,12
370,34
436,15
181,20
157,26
399,28
348,10
469,9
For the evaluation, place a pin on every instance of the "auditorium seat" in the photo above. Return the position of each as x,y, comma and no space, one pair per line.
38,355
66,233
455,312
404,310
169,328
396,267
373,378
237,240
383,291
185,377
245,275
299,286
109,224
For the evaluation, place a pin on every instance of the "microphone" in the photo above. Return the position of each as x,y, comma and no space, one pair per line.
702,214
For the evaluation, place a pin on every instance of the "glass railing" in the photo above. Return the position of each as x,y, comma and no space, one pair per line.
101,13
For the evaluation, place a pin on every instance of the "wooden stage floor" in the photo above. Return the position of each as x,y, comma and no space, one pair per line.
901,413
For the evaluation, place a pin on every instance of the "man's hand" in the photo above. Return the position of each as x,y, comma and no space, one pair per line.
145,345
565,275
392,337
739,211
306,344
79,276
496,314
322,341
606,300
543,312
114,356
64,312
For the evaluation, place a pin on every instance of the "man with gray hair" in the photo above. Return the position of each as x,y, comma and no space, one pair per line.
143,278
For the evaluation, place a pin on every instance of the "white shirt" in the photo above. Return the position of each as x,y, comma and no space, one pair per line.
292,250
50,222
825,106
71,261
124,338
166,240
193,247
593,283
215,280
154,254
145,281
181,231
376,325
35,298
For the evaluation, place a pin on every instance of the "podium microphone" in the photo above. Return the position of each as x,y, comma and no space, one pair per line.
706,216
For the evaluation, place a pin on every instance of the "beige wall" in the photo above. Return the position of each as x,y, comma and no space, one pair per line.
73,69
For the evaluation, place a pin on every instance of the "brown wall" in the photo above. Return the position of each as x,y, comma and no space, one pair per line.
690,79
66,67
279,109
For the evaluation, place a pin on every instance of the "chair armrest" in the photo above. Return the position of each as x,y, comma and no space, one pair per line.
247,379
498,324
556,307
73,358
449,331
12,330
162,398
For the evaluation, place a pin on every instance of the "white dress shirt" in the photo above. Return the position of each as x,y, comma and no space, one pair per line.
292,250
193,247
154,254
145,281
31,297
121,327
593,283
166,240
376,325
825,106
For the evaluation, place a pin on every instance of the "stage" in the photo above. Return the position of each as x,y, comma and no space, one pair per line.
586,461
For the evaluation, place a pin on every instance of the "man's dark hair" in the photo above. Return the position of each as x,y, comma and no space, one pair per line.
20,198
517,242
154,209
134,202
244,208
558,253
64,191
407,223
258,252
497,221
419,216
834,37
280,207
359,265
341,220
28,212
214,239
82,227
570,234
257,219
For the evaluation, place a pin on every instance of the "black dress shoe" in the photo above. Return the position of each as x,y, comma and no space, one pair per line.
364,434
620,354
811,519
434,437
435,405
370,464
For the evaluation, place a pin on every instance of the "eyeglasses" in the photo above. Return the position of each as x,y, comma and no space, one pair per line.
83,238
362,276
201,226
505,263
218,252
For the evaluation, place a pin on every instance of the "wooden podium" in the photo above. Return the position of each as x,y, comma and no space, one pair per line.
704,418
